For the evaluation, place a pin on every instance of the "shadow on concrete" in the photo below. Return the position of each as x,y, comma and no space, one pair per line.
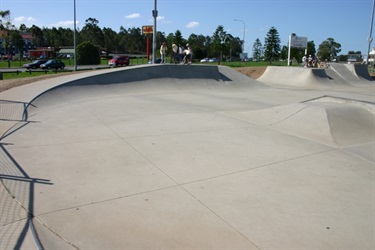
136,74
17,215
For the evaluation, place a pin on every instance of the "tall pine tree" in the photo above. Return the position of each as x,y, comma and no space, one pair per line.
272,45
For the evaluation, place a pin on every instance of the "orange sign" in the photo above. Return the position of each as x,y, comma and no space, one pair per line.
148,29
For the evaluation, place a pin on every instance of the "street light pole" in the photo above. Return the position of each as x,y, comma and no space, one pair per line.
370,37
155,15
75,39
244,28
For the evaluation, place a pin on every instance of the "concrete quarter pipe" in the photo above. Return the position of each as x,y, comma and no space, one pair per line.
334,74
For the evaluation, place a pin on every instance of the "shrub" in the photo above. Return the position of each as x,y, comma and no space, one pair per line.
87,54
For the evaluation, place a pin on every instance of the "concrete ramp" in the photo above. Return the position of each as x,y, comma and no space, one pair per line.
330,121
352,72
362,71
289,76
345,71
345,75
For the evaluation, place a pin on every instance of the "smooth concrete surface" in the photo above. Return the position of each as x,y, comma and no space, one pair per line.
190,157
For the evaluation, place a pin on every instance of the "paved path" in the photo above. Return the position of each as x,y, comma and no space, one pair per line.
176,156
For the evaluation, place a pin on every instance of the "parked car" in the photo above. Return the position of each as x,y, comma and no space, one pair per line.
119,61
205,60
53,64
213,60
34,64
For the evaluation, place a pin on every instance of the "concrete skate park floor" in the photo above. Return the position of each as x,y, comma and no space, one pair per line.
188,157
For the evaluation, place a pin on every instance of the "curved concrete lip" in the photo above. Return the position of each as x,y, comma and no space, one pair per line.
187,156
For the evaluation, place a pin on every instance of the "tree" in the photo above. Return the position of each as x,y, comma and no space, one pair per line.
16,41
228,45
110,39
257,50
272,45
351,52
130,40
328,49
196,45
235,46
136,41
92,33
6,27
219,40
122,40
208,45
22,28
284,53
311,48
38,36
178,39
5,20
87,54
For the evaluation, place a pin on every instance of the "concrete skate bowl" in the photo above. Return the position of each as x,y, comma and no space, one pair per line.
175,156
336,75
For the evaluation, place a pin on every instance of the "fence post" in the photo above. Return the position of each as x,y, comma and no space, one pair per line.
1,75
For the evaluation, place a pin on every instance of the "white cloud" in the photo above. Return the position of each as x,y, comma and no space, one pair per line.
132,16
160,19
192,25
22,19
64,24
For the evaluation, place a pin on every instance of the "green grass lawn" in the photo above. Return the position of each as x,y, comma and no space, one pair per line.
135,61
16,75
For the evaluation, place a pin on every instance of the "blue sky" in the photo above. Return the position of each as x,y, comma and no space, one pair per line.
346,21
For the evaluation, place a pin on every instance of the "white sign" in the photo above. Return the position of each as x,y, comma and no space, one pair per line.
243,56
298,41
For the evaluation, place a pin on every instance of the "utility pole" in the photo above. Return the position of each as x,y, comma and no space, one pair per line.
155,15
370,36
75,39
244,28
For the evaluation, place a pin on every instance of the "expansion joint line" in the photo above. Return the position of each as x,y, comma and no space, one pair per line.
286,118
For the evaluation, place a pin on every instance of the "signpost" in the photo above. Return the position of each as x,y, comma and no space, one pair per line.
147,30
296,42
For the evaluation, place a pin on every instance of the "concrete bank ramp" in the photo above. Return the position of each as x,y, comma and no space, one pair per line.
178,75
336,75
332,121
351,72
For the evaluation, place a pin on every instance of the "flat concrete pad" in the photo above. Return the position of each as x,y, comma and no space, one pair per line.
176,156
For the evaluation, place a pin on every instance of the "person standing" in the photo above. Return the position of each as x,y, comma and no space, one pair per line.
163,52
304,58
174,58
188,55
180,53
309,61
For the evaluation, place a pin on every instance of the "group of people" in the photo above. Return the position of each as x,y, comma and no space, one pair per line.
309,62
179,55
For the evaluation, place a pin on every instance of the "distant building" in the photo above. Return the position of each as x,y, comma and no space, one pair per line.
42,52
27,41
